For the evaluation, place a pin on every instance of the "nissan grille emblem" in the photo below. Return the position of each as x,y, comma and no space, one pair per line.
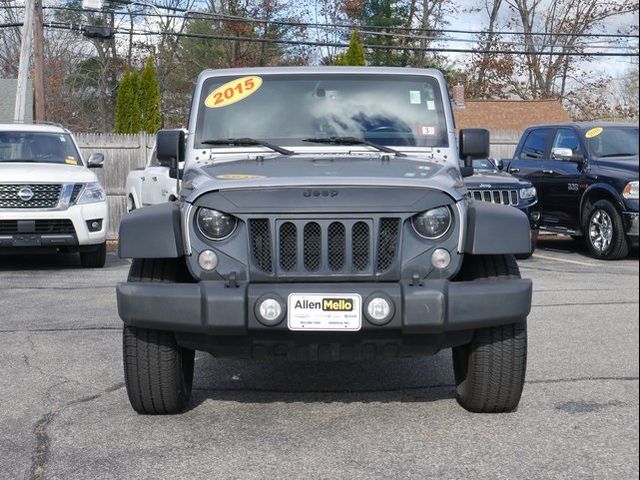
25,194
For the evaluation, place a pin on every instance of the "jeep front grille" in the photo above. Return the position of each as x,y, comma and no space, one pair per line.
504,197
41,195
36,226
324,246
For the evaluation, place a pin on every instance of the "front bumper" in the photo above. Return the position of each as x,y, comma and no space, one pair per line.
431,307
79,215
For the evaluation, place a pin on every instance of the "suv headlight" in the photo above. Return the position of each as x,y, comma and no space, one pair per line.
528,192
433,223
92,193
215,225
630,192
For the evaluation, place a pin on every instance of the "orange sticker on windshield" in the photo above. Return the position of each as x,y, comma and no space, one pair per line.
594,132
233,91
71,161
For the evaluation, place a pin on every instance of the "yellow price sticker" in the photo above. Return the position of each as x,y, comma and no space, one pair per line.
71,161
594,132
233,91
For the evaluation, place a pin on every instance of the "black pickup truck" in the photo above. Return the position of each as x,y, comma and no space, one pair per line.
586,177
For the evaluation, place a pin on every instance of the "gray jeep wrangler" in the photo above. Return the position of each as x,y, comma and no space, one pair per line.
323,216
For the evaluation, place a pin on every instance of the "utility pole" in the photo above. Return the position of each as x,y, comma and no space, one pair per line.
38,60
25,57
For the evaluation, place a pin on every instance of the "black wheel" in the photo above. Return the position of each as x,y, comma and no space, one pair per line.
604,232
95,259
490,371
158,372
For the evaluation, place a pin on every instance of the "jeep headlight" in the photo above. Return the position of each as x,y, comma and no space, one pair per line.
630,192
433,223
215,225
527,193
92,193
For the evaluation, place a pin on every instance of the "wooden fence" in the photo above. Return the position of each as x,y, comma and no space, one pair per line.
124,153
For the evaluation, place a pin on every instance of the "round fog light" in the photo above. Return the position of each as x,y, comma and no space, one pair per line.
379,309
269,311
208,260
440,258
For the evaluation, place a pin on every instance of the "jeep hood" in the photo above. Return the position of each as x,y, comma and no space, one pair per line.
44,173
320,170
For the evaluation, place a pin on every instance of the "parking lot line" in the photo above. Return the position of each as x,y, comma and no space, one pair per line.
564,260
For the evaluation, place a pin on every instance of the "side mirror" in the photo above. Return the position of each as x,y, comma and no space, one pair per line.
170,147
96,160
566,155
176,173
473,144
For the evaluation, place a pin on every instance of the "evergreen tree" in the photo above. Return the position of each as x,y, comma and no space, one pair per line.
128,118
354,54
149,98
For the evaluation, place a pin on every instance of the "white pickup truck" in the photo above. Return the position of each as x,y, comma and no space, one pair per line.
150,185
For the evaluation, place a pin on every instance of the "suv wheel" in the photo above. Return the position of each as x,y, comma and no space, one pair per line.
158,372
490,371
95,259
604,232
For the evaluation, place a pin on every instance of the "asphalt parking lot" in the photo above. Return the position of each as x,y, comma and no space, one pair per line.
64,411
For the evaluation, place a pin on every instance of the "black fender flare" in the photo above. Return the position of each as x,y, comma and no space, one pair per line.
494,229
605,188
152,232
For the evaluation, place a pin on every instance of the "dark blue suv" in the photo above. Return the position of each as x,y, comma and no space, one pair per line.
586,177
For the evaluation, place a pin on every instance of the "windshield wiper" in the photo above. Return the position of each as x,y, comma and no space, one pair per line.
617,155
247,142
353,141
19,160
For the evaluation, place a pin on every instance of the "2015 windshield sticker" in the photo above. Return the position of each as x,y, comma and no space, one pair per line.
594,132
233,91
239,176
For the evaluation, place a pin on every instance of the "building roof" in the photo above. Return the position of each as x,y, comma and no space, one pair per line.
8,99
504,115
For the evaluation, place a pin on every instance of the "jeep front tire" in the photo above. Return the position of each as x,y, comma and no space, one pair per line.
158,372
490,371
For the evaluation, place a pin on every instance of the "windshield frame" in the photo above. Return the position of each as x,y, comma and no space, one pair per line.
68,136
434,75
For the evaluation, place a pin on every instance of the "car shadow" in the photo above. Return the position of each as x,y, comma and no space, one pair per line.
566,244
50,261
425,379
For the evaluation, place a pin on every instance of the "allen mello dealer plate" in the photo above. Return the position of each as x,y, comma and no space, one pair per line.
324,312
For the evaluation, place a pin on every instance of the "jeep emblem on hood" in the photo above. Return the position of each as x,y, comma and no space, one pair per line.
484,185
25,194
320,193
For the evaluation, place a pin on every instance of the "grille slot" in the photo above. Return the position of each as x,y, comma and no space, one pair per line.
39,226
260,239
312,246
288,246
504,197
44,196
360,240
387,243
337,246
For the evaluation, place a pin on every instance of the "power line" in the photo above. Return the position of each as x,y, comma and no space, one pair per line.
366,31
345,45
232,18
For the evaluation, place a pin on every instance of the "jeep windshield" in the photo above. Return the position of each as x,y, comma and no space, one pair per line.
609,142
287,109
484,165
38,147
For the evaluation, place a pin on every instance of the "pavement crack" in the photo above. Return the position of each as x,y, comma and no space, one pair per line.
40,455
